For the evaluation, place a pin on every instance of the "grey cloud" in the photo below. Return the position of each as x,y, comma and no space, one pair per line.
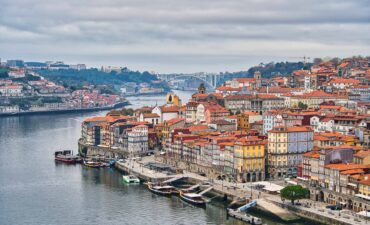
190,30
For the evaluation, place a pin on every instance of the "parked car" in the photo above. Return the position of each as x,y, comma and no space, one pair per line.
334,207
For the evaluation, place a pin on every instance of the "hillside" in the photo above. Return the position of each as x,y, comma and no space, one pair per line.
272,69
79,78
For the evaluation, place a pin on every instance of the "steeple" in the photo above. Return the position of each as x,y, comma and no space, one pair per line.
257,76
201,89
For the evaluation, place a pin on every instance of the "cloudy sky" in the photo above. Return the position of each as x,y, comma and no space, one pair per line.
182,35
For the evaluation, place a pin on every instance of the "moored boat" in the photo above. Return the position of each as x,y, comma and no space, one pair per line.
165,190
244,217
193,198
130,179
66,156
92,164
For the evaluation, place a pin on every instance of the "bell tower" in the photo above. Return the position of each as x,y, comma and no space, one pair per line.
201,89
257,76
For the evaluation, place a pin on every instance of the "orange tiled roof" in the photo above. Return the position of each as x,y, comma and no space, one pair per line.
174,121
291,129
197,128
225,88
339,80
345,166
150,115
362,154
167,109
245,80
312,154
352,171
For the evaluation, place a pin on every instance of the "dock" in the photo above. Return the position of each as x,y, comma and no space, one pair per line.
244,217
278,211
144,173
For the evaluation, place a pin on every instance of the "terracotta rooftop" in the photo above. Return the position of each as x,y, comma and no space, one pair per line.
345,166
362,154
150,115
168,109
353,171
283,129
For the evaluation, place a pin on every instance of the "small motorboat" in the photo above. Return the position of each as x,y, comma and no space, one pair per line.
131,179
193,198
92,164
165,190
109,164
66,156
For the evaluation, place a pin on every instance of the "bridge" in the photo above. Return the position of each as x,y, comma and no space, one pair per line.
212,80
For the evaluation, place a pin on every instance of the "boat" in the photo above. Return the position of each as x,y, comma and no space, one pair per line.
192,198
109,164
92,164
130,179
165,190
66,156
244,216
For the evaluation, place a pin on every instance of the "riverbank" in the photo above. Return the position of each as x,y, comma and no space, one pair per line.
269,203
61,111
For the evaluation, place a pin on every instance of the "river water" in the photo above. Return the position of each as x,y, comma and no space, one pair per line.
36,190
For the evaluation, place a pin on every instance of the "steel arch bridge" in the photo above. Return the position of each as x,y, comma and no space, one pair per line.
213,80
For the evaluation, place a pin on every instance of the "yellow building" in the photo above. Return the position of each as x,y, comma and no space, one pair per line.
362,157
243,122
364,186
173,99
249,158
286,145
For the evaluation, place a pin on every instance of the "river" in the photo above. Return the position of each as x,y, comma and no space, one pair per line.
36,190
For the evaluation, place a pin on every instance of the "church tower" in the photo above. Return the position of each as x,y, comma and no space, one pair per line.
257,76
201,89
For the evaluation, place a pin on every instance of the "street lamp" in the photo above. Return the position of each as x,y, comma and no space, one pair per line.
365,214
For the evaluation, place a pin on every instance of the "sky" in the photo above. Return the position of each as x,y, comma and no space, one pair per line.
169,36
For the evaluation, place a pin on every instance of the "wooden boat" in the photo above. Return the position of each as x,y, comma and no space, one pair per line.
92,164
66,156
192,198
165,190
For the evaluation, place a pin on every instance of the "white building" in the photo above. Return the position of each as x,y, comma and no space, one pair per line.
166,112
16,73
137,141
9,109
11,90
152,118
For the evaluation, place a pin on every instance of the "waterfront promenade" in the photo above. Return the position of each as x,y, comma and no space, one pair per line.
268,202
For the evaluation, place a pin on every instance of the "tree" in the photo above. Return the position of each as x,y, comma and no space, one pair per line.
294,192
301,105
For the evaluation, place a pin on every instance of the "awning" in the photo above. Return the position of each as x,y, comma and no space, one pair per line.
292,182
362,196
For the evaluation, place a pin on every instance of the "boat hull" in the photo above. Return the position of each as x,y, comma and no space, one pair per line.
191,201
64,160
158,192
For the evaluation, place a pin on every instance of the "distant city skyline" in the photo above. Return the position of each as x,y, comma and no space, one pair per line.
183,36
